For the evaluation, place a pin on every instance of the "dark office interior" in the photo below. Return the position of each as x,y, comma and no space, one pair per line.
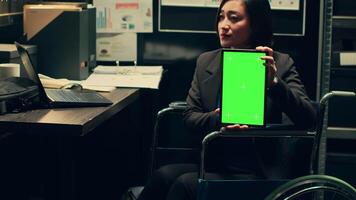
108,157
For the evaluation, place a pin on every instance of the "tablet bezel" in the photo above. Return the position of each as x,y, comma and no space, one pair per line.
221,90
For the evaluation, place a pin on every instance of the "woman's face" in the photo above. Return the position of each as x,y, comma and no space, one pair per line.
234,25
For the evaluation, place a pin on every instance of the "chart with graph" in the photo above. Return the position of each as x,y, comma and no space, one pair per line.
117,16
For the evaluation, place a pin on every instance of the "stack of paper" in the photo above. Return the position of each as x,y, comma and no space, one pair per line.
132,76
49,82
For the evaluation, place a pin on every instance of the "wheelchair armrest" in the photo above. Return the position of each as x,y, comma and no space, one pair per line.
178,105
268,133
174,107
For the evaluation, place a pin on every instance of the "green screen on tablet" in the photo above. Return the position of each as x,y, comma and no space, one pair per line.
243,87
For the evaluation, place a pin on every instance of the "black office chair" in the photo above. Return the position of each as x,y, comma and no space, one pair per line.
225,189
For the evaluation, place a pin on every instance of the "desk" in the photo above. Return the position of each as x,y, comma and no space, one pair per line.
61,127
67,121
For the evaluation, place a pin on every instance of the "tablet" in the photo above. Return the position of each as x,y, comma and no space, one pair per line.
243,87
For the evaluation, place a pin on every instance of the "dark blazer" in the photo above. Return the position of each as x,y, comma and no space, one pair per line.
287,96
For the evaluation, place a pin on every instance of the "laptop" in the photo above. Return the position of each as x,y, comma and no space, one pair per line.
55,98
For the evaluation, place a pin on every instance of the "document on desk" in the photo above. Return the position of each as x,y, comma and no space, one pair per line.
49,82
128,76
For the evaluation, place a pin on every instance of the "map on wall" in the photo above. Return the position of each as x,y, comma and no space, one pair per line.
119,16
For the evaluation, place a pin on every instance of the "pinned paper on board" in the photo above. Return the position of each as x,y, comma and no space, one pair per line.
118,16
115,46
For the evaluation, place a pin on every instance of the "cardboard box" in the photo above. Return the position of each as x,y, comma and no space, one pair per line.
65,38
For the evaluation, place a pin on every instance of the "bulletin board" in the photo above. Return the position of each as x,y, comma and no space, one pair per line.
184,16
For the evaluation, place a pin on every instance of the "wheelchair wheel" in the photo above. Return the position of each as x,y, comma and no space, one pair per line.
314,187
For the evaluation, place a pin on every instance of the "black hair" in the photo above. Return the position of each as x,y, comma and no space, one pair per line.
259,12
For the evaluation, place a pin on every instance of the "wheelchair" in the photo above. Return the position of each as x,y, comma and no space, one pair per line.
313,186
169,143
171,147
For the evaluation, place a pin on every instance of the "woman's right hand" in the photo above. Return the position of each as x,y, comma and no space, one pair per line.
235,127
270,64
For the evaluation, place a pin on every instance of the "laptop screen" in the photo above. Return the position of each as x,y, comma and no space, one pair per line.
31,72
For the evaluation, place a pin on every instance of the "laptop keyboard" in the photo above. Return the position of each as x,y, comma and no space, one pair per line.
71,96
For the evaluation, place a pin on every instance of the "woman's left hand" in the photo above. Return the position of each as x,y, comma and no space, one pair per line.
270,64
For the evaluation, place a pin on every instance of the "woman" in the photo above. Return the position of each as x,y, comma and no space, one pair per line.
240,24
247,24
